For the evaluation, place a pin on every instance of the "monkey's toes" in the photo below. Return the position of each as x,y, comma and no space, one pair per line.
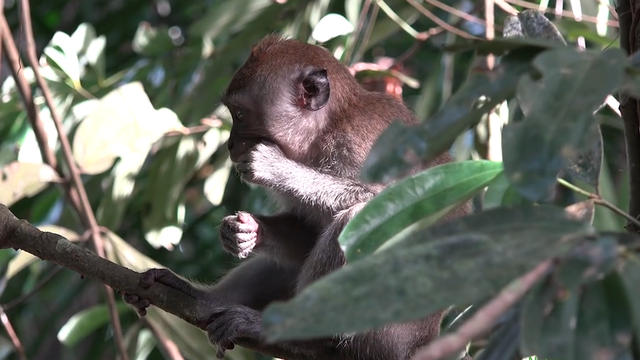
138,303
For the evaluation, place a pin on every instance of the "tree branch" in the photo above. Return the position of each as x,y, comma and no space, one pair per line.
19,234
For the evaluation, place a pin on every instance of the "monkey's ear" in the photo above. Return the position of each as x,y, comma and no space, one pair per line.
315,90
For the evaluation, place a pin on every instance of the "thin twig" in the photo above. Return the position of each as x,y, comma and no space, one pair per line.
459,13
597,199
450,28
85,209
569,14
34,290
12,335
170,348
398,20
13,59
485,318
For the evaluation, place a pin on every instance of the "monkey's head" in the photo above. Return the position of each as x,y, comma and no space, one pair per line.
285,93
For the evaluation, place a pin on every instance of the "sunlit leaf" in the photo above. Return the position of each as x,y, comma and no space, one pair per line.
83,36
123,122
21,179
331,26
61,55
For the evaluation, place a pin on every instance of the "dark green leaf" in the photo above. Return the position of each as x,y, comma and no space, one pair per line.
480,253
400,147
503,343
559,114
416,201
630,275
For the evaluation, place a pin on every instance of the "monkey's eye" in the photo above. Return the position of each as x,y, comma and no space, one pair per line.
239,114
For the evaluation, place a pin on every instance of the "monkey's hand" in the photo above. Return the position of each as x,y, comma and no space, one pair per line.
240,234
232,322
163,276
263,165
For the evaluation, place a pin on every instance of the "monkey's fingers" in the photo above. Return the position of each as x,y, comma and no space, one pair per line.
168,278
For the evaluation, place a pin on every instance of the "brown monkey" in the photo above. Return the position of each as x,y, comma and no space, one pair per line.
302,128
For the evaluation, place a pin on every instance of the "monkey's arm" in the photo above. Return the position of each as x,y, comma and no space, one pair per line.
266,165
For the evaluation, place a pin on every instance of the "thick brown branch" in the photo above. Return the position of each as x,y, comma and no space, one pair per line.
19,234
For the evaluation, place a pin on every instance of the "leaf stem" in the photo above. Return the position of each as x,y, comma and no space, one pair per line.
597,199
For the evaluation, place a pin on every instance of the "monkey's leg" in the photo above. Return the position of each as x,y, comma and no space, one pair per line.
282,237
254,283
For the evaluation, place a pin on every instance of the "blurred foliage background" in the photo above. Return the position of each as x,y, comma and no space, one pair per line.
138,84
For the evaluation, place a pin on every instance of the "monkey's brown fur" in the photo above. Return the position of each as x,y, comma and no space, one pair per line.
302,128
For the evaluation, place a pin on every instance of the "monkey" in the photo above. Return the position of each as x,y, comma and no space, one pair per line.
302,128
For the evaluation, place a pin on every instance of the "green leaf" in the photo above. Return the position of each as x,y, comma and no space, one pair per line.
400,147
551,309
480,253
630,275
501,193
604,325
152,41
417,201
503,343
229,16
559,114
87,321
22,179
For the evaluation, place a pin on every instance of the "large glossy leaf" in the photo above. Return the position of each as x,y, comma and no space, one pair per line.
605,322
417,201
630,275
400,147
479,253
559,116
21,179
551,310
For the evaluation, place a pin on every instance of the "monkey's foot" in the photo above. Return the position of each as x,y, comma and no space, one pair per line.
232,322
163,276
240,234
